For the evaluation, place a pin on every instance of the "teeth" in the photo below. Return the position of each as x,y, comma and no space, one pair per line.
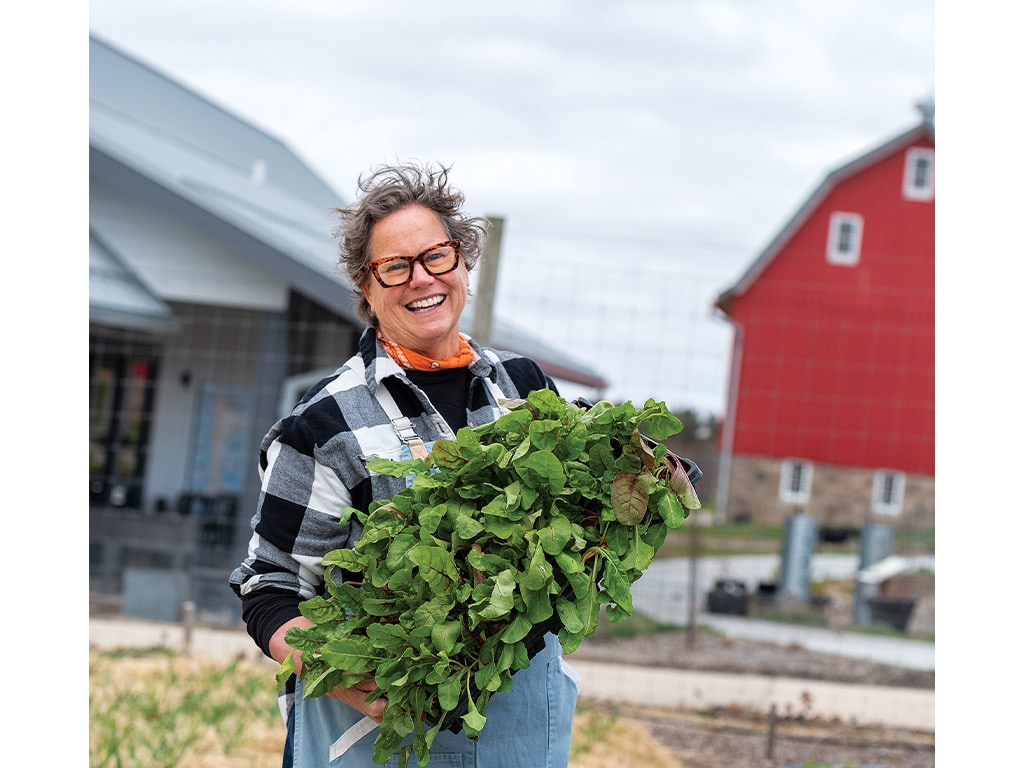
425,303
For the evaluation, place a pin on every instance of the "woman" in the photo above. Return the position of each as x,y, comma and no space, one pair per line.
408,250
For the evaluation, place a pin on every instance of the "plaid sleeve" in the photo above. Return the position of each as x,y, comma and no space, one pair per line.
302,496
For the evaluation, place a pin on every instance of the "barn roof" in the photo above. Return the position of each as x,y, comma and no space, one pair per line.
923,130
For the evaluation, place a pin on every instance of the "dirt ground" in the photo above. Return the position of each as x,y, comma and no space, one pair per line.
679,738
730,737
738,739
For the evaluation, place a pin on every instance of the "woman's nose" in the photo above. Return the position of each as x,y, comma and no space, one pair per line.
420,273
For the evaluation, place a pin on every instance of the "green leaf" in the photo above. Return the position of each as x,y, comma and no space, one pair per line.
436,566
286,670
569,562
517,629
473,721
589,609
617,586
555,535
384,635
400,544
445,636
449,692
679,483
322,684
501,599
543,471
352,654
446,453
468,527
487,678
393,468
377,606
569,615
662,424
539,572
545,434
349,559
538,605
429,519
671,510
320,610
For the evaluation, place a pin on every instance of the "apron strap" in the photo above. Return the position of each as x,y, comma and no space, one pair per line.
350,737
401,424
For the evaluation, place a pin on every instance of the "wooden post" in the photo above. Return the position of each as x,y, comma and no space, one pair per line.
483,301
770,753
188,618
691,618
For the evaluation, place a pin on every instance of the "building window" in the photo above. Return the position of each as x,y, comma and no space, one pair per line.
795,483
887,492
844,235
122,381
919,174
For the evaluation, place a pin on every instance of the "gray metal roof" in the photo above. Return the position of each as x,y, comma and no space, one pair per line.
194,160
174,149
118,298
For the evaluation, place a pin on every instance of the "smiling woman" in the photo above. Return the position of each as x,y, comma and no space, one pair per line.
407,248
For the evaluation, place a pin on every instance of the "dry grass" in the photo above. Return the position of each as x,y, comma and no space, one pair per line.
155,709
602,740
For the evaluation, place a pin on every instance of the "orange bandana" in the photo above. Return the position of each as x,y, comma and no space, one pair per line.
406,358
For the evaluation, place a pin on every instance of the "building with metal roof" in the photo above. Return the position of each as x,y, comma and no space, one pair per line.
214,298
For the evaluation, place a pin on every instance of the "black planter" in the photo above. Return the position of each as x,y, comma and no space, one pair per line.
894,611
729,597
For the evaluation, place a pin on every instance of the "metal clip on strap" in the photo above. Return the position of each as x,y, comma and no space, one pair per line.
405,432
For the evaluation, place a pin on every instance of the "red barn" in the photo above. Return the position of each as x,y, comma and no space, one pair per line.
831,404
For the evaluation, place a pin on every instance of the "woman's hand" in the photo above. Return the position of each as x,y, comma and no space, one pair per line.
355,696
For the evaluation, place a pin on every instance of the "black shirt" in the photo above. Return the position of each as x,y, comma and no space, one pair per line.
448,390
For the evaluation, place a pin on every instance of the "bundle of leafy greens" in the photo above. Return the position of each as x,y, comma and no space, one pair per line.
527,524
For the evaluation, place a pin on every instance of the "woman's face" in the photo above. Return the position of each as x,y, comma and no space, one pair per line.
424,313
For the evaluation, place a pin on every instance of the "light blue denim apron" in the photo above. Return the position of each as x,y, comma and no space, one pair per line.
529,726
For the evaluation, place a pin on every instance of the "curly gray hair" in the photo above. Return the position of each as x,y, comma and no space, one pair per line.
389,188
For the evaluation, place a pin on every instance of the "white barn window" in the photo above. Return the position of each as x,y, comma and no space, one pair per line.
919,174
795,482
844,236
887,492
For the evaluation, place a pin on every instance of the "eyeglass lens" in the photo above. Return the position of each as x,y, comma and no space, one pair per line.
436,261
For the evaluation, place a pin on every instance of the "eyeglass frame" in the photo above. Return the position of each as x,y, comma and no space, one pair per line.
412,261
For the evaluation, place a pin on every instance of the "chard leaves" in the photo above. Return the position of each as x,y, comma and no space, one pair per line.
530,523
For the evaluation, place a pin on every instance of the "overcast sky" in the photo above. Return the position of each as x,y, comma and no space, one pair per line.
671,137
